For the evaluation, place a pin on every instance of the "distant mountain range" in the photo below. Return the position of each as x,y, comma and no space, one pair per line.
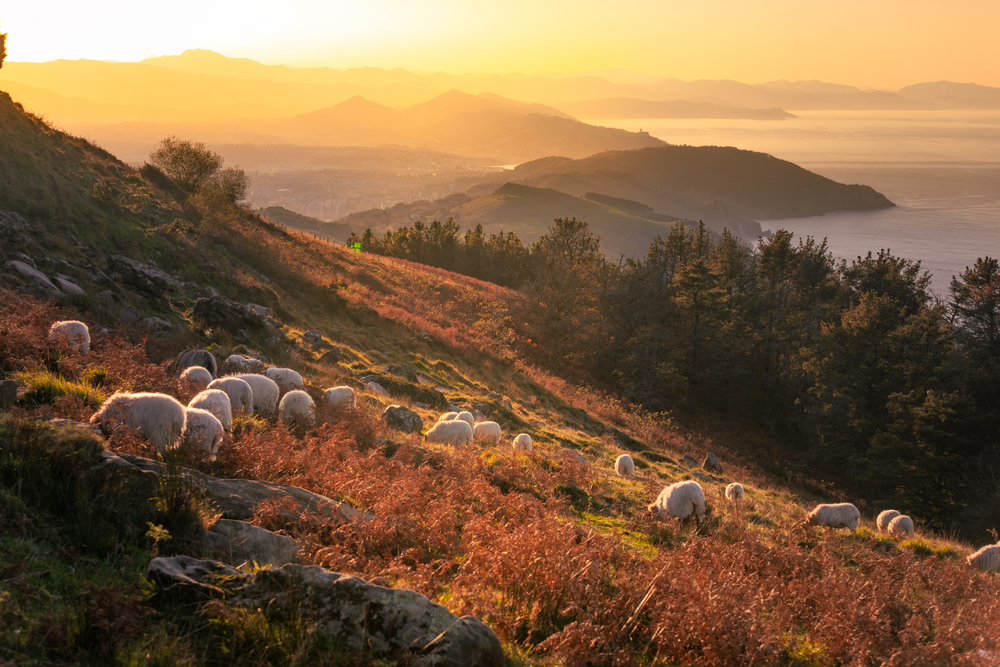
612,108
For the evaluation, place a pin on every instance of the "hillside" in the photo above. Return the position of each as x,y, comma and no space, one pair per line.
624,107
282,216
556,554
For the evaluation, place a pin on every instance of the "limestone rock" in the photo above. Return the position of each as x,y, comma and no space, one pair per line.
142,277
711,463
382,622
402,419
238,542
38,282
218,311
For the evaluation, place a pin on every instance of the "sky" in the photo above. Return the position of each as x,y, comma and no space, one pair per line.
884,44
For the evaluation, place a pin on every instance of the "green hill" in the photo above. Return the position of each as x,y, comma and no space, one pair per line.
282,216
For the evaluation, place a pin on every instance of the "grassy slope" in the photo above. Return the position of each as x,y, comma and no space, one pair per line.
556,557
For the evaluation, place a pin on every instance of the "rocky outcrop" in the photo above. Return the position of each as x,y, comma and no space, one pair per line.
143,277
238,542
402,419
14,228
711,463
382,622
37,282
218,311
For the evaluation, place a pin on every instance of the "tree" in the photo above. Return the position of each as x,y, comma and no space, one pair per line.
231,183
3,48
188,164
976,308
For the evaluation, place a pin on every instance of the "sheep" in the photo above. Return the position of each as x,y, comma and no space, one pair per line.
681,500
202,358
882,522
217,402
522,441
447,417
341,397
236,363
239,392
265,393
455,432
467,418
158,417
734,492
487,432
297,409
202,432
573,455
624,466
901,526
73,333
986,559
193,379
285,378
840,515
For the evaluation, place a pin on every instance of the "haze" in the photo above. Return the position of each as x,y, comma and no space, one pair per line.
884,45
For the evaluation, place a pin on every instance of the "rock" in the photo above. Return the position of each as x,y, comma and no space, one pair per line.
21,257
12,225
690,461
111,301
8,394
273,341
507,405
99,277
114,476
711,463
702,476
275,323
494,397
405,371
241,336
218,311
38,283
208,293
238,498
176,303
238,542
142,277
626,441
263,311
363,617
57,265
402,419
67,286
157,324
377,389
312,336
330,357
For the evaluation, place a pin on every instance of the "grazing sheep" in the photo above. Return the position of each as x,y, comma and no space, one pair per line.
265,393
901,526
202,358
522,442
285,378
488,433
202,432
158,417
454,432
840,515
624,466
194,378
217,402
73,333
341,397
681,500
297,409
574,455
467,418
986,559
239,392
447,417
236,363
882,522
734,492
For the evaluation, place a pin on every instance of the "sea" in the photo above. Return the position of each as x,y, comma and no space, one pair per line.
941,169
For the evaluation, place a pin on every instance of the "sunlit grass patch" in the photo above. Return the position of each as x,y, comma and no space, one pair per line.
43,387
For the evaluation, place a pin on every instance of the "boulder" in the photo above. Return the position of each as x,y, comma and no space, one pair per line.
377,389
218,311
711,463
690,461
21,257
238,542
13,226
405,371
8,394
67,284
702,476
143,277
273,341
157,324
241,336
263,311
38,282
330,357
114,476
402,419
99,277
626,441
378,621
111,301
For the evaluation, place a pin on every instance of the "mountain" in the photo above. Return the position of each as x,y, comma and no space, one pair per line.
948,95
630,107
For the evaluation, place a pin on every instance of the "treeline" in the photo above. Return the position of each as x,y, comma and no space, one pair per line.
895,389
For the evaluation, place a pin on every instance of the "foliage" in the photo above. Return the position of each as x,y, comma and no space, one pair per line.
189,165
3,48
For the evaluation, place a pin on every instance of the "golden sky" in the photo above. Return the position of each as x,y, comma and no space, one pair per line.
867,43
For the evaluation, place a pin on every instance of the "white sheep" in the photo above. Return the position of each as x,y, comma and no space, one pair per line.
901,526
488,433
884,517
285,378
297,409
73,333
265,393
522,441
734,492
239,392
217,402
454,432
202,432
624,466
467,418
341,397
236,363
447,417
986,559
157,417
573,455
839,515
681,500
202,358
194,378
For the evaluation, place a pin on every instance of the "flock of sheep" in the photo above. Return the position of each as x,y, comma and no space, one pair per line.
200,426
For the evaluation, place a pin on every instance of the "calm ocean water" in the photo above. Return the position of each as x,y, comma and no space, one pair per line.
941,169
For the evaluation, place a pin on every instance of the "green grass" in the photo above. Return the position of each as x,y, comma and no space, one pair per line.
43,387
